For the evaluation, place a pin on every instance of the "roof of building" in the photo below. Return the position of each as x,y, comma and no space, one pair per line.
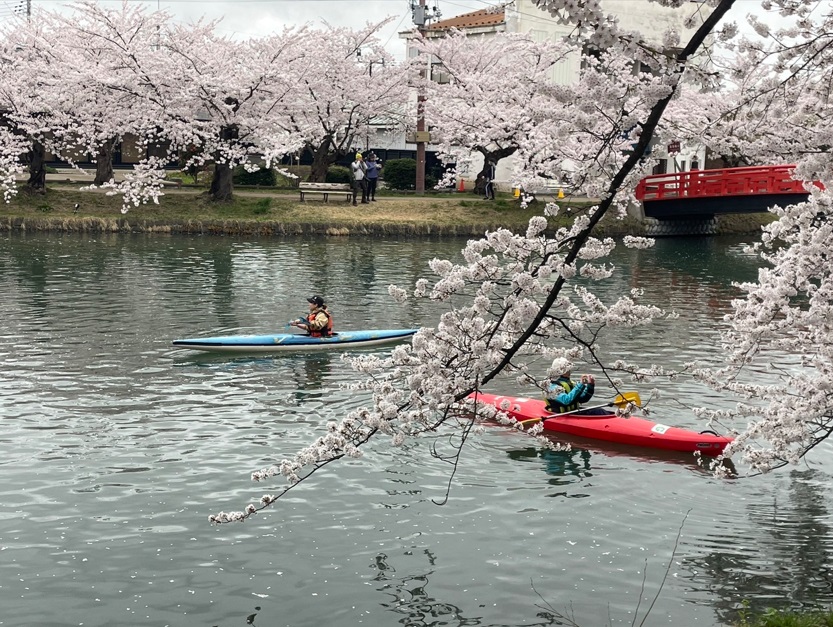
483,17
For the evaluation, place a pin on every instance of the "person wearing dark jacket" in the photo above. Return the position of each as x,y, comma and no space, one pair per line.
373,168
489,190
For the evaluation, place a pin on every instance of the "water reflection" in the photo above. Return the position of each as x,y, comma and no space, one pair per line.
782,560
695,276
303,372
250,619
311,372
222,264
577,461
410,599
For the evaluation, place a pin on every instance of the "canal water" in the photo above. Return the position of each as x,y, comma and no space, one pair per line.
115,449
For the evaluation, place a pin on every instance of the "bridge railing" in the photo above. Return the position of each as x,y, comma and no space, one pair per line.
770,179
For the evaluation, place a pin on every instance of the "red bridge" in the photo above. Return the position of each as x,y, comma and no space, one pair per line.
705,193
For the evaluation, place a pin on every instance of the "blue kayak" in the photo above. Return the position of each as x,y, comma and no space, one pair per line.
280,342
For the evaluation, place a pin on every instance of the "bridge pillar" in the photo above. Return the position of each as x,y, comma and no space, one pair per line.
636,210
701,225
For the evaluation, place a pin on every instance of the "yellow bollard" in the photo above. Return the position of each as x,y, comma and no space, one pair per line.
560,193
517,192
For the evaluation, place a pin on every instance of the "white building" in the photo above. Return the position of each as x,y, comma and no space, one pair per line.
523,16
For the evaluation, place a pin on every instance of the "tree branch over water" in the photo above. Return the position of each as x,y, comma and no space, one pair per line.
510,315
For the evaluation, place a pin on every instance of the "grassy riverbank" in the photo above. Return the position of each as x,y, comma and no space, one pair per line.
789,619
276,211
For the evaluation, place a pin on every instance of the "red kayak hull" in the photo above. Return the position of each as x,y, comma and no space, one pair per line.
633,431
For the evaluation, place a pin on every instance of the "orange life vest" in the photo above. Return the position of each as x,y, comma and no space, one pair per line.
326,331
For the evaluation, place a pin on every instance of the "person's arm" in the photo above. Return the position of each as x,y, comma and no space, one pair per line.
585,396
301,323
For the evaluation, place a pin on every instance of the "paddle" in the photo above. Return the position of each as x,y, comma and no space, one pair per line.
619,401
289,324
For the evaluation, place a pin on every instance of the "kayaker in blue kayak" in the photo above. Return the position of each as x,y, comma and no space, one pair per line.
319,321
565,395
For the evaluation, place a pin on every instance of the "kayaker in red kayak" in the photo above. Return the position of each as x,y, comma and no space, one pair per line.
565,395
319,322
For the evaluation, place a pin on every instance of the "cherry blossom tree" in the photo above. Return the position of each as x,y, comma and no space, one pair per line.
231,99
106,58
780,363
341,88
466,110
12,146
106,73
73,84
26,56
83,96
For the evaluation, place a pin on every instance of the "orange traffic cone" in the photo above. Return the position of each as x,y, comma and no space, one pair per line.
462,186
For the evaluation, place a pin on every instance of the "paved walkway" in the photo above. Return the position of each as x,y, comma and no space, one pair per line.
70,175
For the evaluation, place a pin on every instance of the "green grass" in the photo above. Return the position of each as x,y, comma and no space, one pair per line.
777,618
449,212
270,204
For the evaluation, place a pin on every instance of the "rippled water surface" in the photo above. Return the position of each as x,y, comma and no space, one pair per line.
114,449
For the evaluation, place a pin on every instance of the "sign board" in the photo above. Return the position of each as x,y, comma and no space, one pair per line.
417,136
674,147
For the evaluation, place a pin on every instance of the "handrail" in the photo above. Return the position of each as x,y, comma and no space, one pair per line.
747,181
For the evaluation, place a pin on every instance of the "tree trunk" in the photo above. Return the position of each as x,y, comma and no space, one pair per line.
37,168
490,155
104,161
222,183
321,161
734,161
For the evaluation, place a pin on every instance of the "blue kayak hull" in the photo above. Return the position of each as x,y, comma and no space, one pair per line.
285,342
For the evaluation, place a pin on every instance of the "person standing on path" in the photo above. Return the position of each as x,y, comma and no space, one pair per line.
490,181
373,168
359,168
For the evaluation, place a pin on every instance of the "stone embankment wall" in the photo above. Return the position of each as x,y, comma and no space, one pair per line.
749,223
237,227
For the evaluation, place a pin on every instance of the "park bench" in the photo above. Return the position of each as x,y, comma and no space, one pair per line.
326,190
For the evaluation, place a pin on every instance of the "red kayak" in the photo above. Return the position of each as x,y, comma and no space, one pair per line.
612,428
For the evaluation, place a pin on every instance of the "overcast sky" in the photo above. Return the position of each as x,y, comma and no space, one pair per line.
259,17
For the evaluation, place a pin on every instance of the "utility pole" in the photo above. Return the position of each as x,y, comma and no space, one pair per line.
420,156
421,17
